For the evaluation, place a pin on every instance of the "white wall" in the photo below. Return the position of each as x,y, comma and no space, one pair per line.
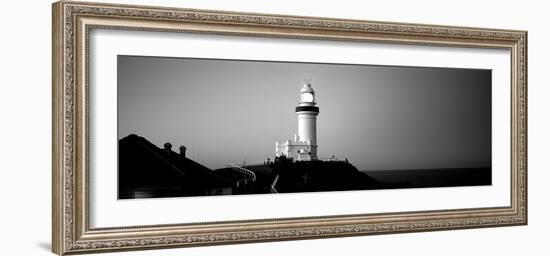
25,100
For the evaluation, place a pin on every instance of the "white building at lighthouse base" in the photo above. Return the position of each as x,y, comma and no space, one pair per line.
297,150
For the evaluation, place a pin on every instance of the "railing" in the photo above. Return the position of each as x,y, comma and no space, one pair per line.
247,163
250,175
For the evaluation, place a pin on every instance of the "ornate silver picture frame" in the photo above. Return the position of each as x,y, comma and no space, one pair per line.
73,182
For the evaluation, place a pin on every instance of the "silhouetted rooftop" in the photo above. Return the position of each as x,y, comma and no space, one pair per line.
142,165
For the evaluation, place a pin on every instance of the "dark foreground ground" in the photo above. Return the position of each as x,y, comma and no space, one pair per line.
147,171
431,177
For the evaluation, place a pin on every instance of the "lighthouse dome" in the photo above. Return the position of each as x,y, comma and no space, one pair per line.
307,88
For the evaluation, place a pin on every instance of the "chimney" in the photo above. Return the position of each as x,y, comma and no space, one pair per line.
167,147
182,151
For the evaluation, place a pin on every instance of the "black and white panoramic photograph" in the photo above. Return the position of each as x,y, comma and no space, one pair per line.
212,127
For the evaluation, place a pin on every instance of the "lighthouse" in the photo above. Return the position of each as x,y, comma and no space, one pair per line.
304,146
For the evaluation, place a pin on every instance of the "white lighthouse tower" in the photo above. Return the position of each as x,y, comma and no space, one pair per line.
307,119
304,146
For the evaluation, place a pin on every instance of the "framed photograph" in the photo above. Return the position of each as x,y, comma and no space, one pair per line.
179,127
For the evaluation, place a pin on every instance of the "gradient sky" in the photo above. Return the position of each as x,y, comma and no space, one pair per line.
379,117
